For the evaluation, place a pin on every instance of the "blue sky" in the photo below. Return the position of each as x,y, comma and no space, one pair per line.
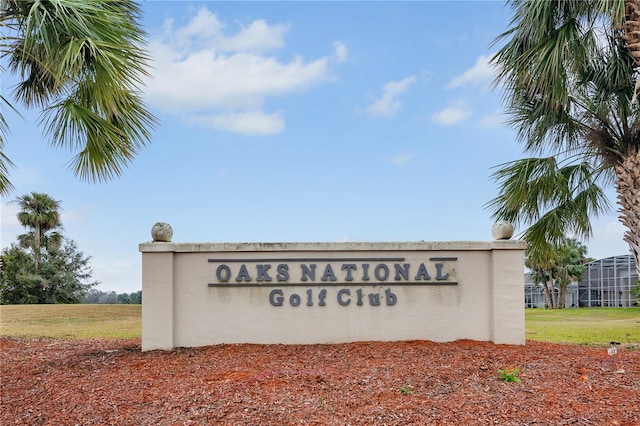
296,121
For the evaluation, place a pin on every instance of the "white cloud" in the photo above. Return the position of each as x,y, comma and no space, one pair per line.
223,78
8,214
388,104
205,30
10,225
403,158
452,114
258,36
607,238
480,73
247,123
340,51
207,80
203,26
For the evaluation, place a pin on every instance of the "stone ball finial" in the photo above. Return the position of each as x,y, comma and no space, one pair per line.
502,230
162,232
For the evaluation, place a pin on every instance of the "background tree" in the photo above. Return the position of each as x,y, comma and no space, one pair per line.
124,299
556,268
17,285
569,71
136,297
39,213
44,267
95,296
635,291
81,62
63,276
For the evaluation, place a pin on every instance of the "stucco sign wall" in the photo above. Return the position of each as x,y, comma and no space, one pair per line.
197,294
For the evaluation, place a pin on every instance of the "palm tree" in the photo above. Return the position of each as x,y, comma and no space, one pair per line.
80,62
557,268
39,213
569,69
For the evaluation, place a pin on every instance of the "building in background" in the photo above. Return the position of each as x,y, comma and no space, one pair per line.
607,283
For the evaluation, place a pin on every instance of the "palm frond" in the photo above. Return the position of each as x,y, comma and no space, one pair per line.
5,163
565,71
82,62
550,199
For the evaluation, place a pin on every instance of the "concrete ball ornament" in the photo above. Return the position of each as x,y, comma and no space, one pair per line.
502,230
162,232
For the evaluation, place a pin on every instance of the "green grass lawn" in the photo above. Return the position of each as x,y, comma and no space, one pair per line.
71,321
592,326
588,326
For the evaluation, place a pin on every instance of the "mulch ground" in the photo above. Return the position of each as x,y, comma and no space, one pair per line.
88,382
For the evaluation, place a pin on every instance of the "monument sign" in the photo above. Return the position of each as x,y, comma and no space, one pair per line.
197,294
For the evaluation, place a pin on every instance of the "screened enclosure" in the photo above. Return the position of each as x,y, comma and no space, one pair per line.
608,283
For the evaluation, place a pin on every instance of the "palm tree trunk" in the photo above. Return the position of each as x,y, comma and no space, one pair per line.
628,189
36,248
560,301
554,296
631,28
547,295
547,298
628,171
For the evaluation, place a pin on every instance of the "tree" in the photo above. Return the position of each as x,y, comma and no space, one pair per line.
555,269
16,283
95,296
136,297
635,291
39,212
44,267
63,276
570,70
555,199
124,299
81,62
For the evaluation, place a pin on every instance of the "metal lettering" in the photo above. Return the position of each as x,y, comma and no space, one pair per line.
341,301
262,273
308,273
384,268
365,272
402,271
243,274
374,299
223,277
422,273
283,272
276,298
390,298
439,275
294,299
328,274
321,297
349,267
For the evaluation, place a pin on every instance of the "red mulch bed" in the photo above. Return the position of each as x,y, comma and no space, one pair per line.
89,382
